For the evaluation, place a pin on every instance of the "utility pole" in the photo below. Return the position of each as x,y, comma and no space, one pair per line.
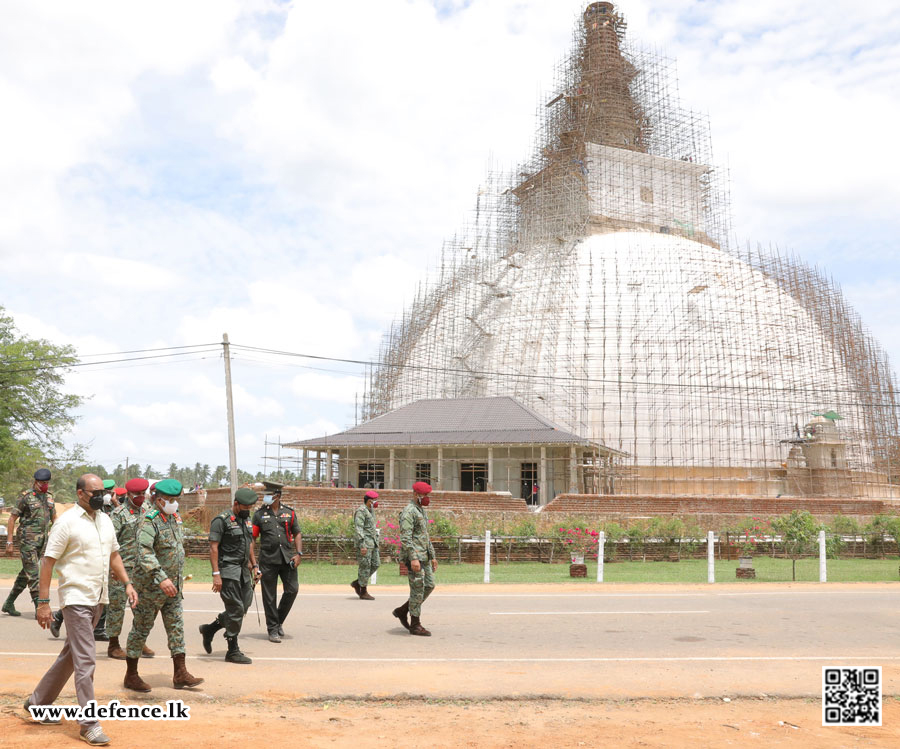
232,452
126,468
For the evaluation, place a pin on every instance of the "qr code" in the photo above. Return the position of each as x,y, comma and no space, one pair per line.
851,696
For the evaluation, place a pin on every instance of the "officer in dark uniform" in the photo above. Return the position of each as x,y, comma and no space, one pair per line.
280,551
234,572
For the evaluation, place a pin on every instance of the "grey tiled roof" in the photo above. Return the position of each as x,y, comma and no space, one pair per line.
452,421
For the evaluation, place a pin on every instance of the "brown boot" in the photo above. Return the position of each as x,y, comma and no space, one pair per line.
183,678
416,628
364,594
146,652
133,680
115,650
402,612
355,586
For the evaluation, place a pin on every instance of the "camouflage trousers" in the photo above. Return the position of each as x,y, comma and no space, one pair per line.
115,609
368,564
420,586
151,602
30,574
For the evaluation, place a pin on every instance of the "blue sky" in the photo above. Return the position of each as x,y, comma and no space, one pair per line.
286,172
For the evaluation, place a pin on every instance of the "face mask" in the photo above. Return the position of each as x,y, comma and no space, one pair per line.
268,499
243,514
96,502
138,500
374,504
425,501
107,499
170,508
42,487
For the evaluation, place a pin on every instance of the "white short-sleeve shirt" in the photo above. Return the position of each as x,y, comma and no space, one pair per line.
81,546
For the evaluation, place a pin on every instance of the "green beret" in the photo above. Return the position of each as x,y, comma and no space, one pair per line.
245,496
109,484
169,487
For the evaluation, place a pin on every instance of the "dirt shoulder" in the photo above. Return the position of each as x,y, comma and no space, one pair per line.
507,723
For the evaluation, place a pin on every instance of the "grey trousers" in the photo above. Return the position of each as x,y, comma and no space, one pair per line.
78,656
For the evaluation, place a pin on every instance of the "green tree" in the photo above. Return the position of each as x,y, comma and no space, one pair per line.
34,412
798,533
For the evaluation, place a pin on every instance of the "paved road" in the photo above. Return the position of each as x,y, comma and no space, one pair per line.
584,641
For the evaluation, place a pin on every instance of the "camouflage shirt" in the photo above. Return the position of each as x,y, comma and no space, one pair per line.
160,550
36,512
414,534
364,523
126,519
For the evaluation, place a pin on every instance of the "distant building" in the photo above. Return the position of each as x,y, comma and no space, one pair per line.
464,444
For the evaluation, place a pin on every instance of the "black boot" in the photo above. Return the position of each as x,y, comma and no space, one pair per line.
234,654
401,612
208,631
416,628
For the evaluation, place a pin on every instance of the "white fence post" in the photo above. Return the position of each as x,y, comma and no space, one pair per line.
487,556
601,542
823,570
710,558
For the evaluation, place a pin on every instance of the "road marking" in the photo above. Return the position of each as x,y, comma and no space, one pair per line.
584,613
620,659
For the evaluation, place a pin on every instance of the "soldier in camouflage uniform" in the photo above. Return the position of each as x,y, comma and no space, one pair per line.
234,570
366,535
35,513
126,520
418,554
158,579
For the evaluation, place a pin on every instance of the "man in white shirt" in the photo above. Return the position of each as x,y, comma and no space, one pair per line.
83,548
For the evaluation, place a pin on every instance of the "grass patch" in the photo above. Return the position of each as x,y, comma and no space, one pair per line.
686,571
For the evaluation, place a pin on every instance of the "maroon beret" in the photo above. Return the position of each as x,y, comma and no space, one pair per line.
371,495
420,487
136,485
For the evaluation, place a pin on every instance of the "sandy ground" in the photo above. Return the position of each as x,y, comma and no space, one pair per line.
635,666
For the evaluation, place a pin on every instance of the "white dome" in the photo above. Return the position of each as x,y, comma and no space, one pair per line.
668,349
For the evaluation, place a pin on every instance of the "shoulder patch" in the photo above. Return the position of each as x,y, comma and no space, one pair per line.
152,514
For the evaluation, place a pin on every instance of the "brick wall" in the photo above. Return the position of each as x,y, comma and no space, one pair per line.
648,505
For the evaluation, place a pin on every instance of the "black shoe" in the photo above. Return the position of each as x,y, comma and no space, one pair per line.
208,631
56,624
273,636
100,636
280,631
234,654
46,720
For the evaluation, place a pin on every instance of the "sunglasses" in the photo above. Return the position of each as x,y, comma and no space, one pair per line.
96,493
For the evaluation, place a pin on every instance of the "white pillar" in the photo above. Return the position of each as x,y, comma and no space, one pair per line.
373,580
710,558
601,544
823,570
319,466
573,471
542,487
304,471
490,481
391,471
487,556
329,471
440,463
